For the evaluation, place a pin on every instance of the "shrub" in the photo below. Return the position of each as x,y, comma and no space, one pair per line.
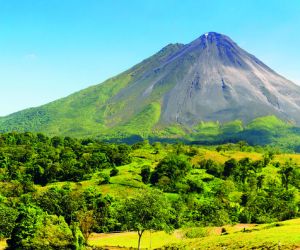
196,232
8,216
114,172
35,229
104,179
145,173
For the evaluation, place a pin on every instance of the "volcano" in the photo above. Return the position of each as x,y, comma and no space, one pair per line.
209,79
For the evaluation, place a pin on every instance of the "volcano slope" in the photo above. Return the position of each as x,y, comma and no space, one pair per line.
171,95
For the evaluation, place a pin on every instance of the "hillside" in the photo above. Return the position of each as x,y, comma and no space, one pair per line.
177,93
62,183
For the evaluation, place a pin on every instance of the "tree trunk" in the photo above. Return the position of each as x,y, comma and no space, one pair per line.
140,233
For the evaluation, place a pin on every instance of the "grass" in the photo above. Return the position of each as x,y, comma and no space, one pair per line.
2,244
283,235
270,236
241,236
130,239
127,182
266,123
232,127
208,128
221,157
282,158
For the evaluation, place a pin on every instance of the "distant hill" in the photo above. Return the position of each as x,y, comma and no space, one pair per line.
209,89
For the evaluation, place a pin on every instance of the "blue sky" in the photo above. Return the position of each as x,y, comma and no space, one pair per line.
51,48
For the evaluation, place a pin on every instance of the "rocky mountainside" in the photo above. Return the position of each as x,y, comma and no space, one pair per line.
209,79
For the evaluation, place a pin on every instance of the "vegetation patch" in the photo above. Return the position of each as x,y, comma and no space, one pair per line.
85,188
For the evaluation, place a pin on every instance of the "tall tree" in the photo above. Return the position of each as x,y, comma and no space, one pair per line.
286,173
149,210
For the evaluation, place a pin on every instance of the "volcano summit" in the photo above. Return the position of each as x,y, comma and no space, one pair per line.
209,79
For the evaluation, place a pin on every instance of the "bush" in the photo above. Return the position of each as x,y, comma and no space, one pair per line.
196,232
35,229
104,179
114,172
8,216
145,173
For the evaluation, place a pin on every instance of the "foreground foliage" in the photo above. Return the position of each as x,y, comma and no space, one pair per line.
77,187
36,230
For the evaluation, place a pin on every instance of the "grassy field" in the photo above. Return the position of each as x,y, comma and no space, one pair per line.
130,239
2,244
283,235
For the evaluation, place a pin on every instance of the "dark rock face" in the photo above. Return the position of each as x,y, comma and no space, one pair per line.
214,79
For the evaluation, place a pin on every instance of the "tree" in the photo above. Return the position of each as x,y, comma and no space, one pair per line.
56,141
8,216
229,167
242,145
243,170
149,210
25,227
145,173
287,172
35,229
260,181
212,167
172,168
86,222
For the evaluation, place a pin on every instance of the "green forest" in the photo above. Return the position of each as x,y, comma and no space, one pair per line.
55,192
